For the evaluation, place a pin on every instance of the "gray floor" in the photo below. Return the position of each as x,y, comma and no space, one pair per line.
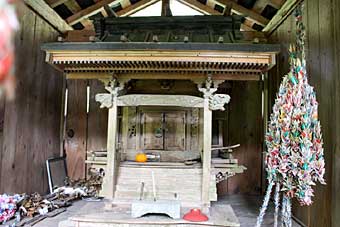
245,207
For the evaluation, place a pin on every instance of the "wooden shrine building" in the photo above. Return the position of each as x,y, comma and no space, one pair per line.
177,128
101,83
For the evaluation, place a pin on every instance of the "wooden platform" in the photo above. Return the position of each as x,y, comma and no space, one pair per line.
246,209
120,216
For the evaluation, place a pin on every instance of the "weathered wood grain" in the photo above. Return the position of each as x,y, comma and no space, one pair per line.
31,122
97,119
245,127
76,127
46,12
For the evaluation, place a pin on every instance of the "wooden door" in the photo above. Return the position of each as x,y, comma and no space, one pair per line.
174,131
153,135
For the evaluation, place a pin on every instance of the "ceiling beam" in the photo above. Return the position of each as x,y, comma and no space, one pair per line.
74,7
249,14
99,6
48,14
55,3
281,15
135,7
260,5
202,8
89,11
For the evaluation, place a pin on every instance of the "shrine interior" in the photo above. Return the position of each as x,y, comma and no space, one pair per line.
168,101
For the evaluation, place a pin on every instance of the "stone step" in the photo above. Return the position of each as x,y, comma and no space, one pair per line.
148,187
161,195
185,183
184,203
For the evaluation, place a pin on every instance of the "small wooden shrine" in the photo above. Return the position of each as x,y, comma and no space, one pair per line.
175,129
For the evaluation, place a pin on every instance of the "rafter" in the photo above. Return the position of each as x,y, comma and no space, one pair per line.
261,4
281,15
135,7
48,14
99,6
202,8
74,7
89,11
249,14
55,3
207,10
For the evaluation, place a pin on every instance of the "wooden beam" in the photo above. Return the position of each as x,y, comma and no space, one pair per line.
261,4
89,11
249,14
55,3
168,75
160,100
281,15
74,7
135,7
48,14
227,10
166,11
99,6
202,8
109,11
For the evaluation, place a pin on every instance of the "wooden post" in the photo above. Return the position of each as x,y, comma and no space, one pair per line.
207,131
108,184
110,101
218,102
166,11
265,117
207,134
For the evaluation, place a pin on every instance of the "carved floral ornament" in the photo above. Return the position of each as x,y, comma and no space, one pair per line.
216,101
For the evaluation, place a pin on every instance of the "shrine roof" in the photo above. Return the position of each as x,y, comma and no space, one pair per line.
174,46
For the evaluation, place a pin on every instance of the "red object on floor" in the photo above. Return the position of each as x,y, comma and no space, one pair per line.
195,215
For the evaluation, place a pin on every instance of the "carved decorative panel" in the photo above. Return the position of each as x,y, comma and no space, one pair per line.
174,131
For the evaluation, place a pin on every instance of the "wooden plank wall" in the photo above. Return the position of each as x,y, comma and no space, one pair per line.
76,128
322,19
244,126
85,131
30,124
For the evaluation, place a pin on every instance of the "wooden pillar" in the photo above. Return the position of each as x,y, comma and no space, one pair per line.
207,131
211,102
109,179
207,135
265,117
109,100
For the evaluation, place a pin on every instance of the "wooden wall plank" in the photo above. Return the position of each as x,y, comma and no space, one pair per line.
245,127
31,121
76,128
336,157
97,119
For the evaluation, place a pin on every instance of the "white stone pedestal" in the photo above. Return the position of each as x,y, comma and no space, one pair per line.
169,207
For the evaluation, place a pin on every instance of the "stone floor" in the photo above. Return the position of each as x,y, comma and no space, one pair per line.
245,207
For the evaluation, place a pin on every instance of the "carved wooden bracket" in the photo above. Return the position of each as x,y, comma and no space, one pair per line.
217,101
107,99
